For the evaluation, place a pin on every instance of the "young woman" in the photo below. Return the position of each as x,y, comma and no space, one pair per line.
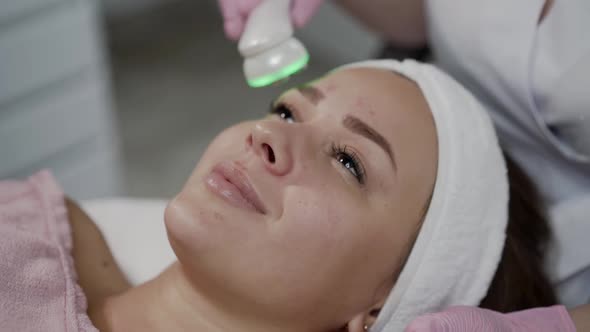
528,63
356,202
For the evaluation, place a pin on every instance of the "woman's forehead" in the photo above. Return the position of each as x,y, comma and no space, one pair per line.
378,93
384,99
367,80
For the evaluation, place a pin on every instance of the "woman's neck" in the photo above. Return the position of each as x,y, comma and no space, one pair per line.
168,303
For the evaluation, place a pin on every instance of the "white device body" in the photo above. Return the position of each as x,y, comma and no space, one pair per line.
267,44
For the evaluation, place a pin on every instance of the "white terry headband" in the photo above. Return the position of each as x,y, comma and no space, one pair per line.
460,243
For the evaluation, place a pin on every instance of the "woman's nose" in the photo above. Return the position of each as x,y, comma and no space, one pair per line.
270,142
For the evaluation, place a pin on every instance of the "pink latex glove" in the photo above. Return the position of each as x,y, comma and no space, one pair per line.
236,12
467,319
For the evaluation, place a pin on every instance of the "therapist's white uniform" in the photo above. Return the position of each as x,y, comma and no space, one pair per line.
535,80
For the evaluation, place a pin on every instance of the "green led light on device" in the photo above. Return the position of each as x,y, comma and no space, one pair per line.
281,74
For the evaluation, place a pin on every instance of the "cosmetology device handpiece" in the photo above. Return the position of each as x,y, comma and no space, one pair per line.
270,51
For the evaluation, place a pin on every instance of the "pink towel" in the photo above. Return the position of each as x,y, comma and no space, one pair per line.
38,288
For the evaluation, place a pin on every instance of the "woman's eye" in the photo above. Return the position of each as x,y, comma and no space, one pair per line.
350,162
283,112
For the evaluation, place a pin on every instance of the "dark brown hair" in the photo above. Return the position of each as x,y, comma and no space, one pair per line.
520,281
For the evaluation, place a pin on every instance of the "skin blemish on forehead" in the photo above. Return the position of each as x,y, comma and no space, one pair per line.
362,104
328,88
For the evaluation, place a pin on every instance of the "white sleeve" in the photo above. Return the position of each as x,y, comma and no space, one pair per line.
568,262
561,76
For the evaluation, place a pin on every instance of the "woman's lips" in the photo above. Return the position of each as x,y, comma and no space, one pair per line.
228,182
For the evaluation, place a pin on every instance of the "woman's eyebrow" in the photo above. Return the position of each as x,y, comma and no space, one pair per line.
311,93
359,127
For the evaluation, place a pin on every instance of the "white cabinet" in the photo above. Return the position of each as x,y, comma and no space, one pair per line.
55,107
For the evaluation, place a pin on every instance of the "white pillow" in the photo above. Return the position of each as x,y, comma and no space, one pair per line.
134,231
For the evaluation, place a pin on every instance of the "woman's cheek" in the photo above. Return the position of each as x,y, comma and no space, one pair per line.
316,219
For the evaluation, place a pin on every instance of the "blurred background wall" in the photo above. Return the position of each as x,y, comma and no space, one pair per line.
55,96
122,97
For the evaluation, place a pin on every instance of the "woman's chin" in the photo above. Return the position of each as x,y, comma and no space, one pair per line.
185,224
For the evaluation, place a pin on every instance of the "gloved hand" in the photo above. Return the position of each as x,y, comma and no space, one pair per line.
464,319
236,12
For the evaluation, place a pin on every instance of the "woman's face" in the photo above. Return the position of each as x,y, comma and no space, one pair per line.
306,216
